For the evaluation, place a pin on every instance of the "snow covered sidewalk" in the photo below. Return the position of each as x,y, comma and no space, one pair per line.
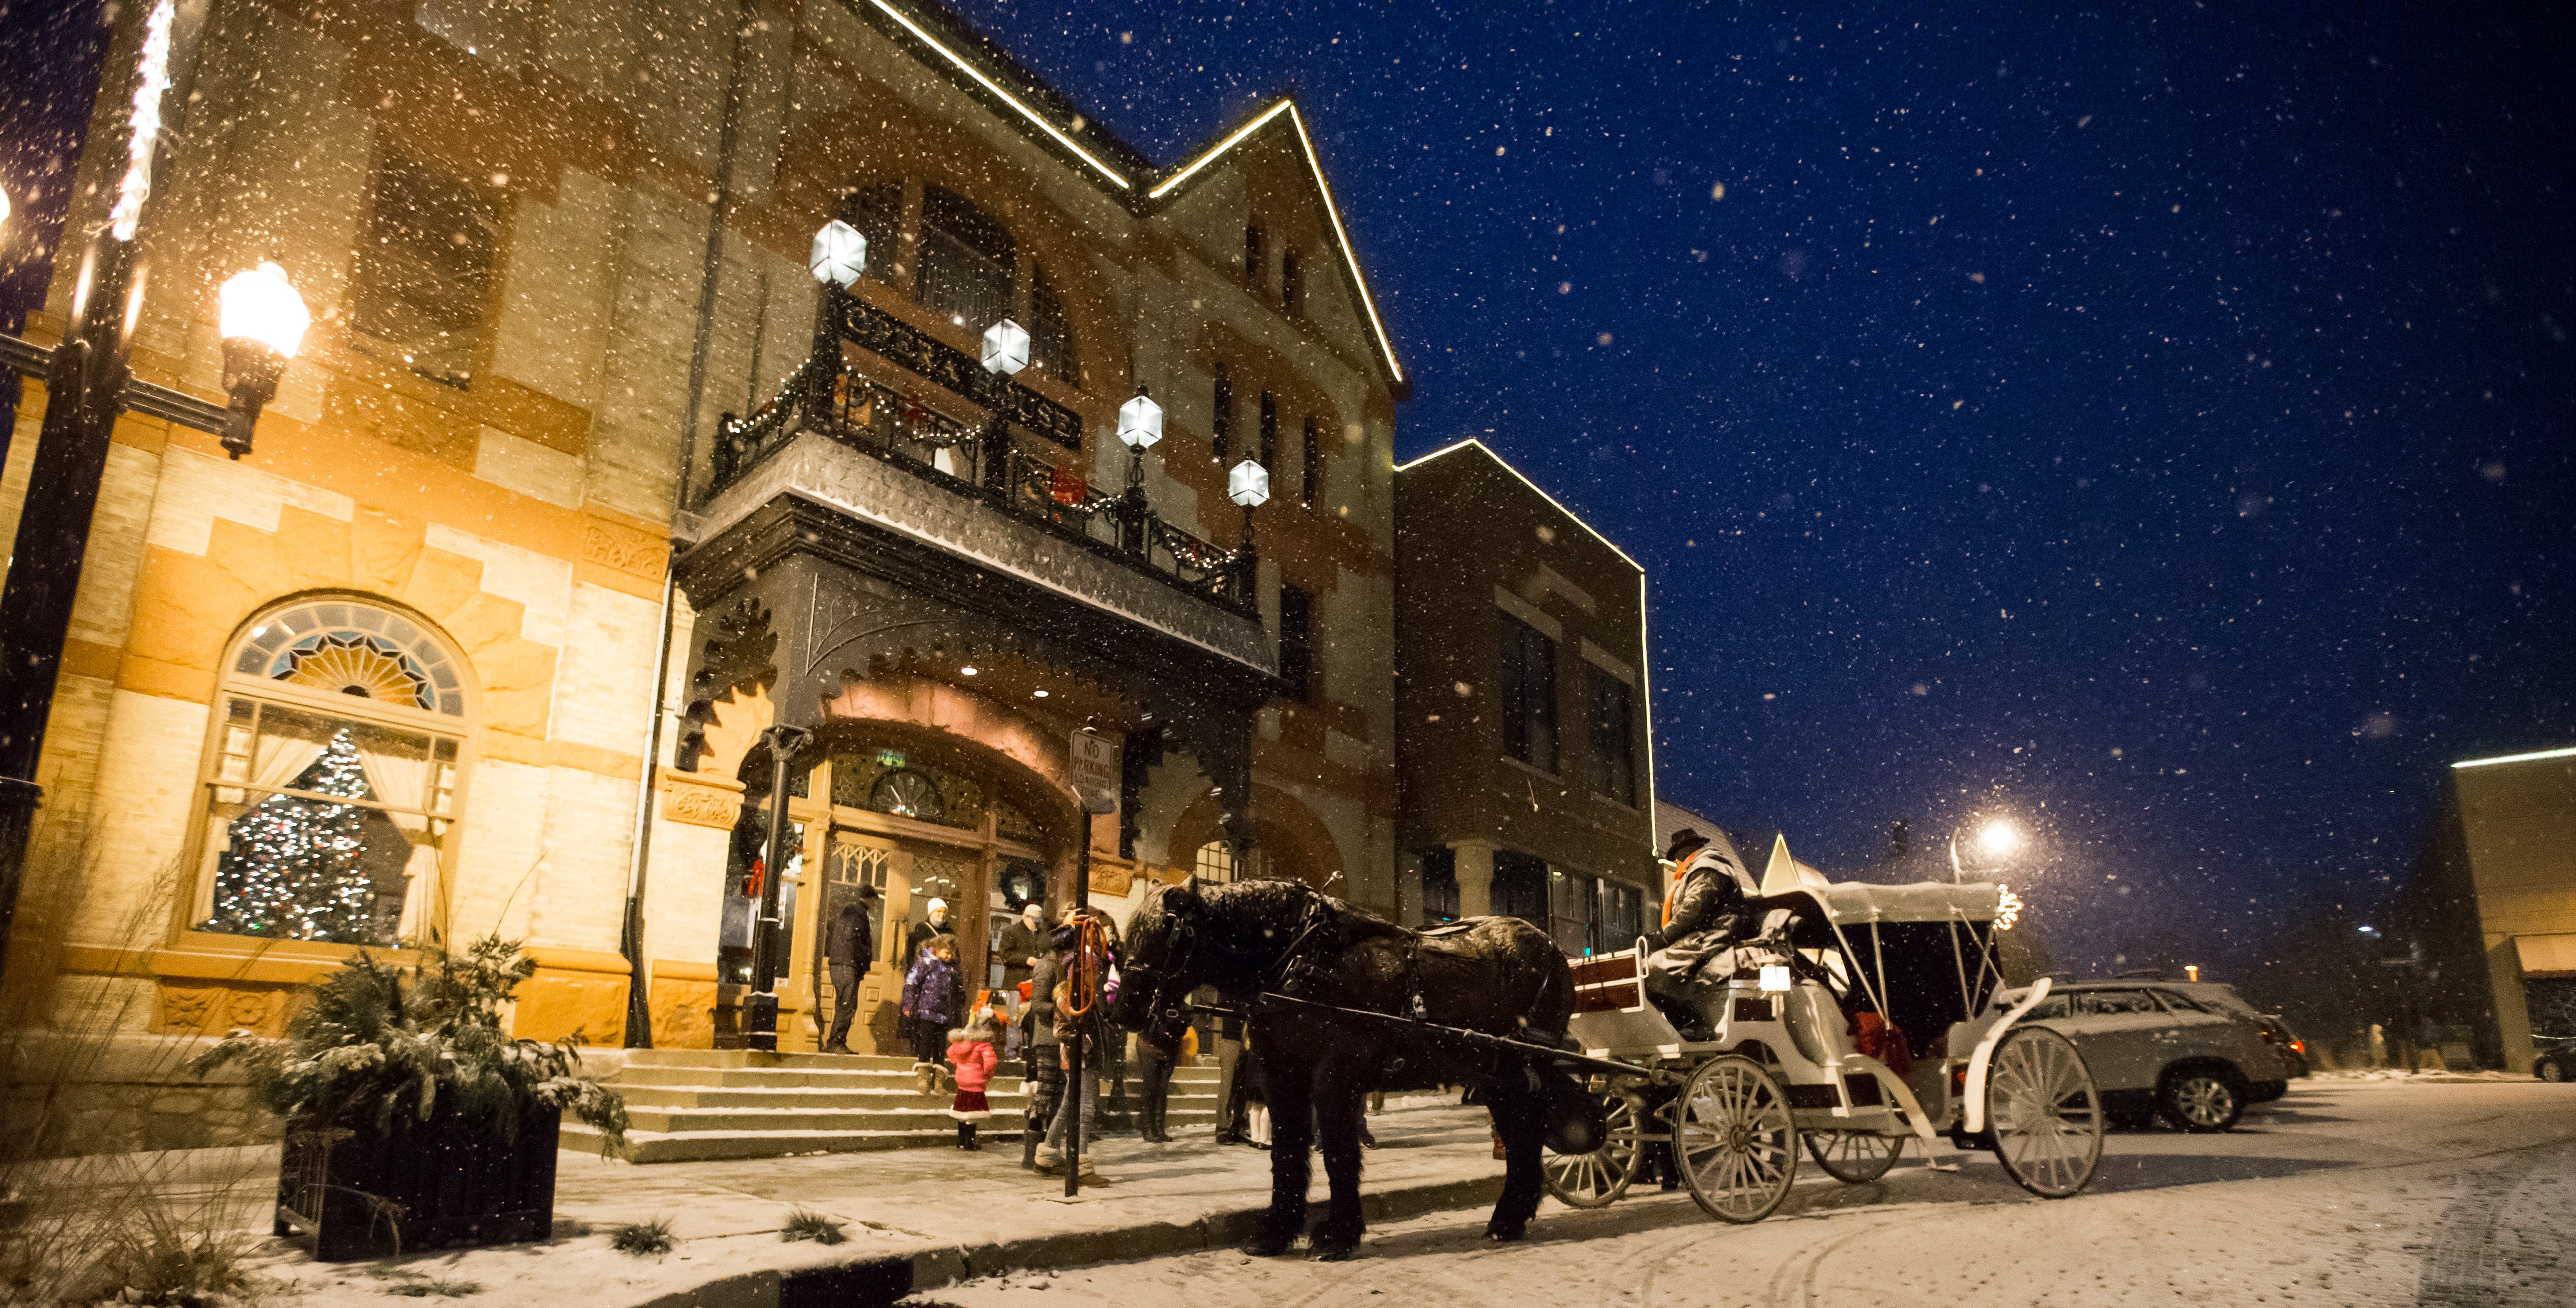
913,1219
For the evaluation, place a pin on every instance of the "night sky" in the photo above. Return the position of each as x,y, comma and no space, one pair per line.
2152,427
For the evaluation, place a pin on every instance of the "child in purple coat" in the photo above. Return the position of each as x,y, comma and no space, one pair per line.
930,998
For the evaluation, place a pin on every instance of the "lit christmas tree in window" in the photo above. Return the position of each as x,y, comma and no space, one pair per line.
296,868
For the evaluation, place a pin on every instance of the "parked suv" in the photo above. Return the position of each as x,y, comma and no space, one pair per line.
2557,1060
2193,1052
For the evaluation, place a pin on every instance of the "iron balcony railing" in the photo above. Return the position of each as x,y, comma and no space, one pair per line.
832,398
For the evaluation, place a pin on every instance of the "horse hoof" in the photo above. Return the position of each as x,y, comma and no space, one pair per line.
1333,1252
1501,1234
1266,1245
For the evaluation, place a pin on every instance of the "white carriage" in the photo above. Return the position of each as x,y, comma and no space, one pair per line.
1855,1021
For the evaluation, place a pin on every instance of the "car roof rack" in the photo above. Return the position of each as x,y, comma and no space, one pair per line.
2142,974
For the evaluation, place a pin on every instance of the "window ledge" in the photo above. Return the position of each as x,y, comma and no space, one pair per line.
1534,770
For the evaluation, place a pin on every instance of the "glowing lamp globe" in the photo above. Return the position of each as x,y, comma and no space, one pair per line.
839,256
1140,423
1006,348
1248,485
262,321
1998,839
261,305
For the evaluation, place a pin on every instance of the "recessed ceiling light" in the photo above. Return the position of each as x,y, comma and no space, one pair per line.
1039,693
968,671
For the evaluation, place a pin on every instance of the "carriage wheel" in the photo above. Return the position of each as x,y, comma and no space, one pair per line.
1854,1157
1593,1180
1734,1139
2044,1113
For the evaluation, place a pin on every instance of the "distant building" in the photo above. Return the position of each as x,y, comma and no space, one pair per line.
2493,905
1525,774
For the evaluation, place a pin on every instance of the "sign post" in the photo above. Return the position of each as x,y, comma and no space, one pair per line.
1092,763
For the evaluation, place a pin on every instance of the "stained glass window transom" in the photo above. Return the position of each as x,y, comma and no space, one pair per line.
356,649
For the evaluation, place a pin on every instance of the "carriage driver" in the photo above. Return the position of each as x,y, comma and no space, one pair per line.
1708,909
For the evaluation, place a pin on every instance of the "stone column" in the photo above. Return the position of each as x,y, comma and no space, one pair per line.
1475,878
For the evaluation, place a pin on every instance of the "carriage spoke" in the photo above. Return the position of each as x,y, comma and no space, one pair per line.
1738,1146
2046,1117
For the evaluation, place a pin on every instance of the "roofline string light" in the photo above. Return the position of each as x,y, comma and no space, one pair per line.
1552,501
996,88
2534,756
1305,142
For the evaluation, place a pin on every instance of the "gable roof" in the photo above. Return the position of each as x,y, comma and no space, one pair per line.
1044,114
1471,443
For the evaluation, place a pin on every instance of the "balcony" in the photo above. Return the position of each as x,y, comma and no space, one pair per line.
839,438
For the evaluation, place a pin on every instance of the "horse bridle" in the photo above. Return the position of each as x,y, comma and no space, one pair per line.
1291,970
1182,942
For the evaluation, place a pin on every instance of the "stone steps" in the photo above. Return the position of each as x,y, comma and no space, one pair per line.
694,1105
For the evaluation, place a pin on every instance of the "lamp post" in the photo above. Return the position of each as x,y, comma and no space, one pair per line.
262,321
761,1018
1998,839
1140,424
1248,484
1094,803
838,259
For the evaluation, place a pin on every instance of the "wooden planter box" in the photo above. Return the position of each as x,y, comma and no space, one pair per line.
424,1185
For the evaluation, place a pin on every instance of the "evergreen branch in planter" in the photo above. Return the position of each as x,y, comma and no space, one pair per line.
377,1043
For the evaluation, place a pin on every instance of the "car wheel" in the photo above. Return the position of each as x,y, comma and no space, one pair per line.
2551,1070
2202,1098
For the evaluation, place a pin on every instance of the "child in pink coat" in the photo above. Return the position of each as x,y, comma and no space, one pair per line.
970,1051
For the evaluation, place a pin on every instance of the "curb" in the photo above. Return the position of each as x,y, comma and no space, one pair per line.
875,1282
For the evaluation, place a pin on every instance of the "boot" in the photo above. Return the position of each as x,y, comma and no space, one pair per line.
966,1138
1029,1137
925,1078
1047,1162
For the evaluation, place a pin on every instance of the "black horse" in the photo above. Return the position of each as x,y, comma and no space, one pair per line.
1497,975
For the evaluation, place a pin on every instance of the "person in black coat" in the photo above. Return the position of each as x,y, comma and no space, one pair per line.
848,949
1709,908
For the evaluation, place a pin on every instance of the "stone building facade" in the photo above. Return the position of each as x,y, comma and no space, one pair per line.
556,256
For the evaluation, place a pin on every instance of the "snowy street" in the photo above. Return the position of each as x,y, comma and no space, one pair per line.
2458,1191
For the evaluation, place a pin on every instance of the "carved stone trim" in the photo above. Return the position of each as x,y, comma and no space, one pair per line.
620,550
701,801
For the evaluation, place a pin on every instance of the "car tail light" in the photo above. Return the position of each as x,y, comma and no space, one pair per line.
1958,1079
2271,1037
2299,1047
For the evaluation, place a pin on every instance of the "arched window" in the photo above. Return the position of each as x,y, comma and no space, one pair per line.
333,779
1216,862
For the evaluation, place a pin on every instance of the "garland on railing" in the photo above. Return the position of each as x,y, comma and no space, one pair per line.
853,410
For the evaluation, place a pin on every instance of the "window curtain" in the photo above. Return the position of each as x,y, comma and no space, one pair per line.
401,782
275,761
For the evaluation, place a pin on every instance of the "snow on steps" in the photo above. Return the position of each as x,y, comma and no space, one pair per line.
691,1105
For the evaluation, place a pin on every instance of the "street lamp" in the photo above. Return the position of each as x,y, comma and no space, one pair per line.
1997,839
1248,484
1006,348
262,323
840,255
838,258
1140,425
